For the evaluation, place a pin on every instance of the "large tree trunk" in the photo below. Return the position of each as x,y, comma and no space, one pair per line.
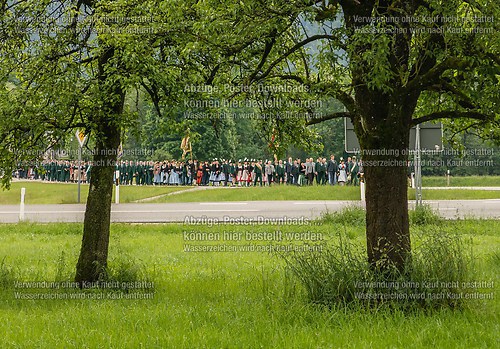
387,226
381,114
93,258
94,251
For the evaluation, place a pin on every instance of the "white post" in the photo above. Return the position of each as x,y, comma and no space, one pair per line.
362,187
21,208
117,194
418,168
413,180
117,191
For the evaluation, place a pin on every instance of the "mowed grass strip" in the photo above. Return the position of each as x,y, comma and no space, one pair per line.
67,193
274,192
294,193
455,194
230,300
465,181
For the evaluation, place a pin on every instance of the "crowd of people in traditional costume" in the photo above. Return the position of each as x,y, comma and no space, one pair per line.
64,171
218,172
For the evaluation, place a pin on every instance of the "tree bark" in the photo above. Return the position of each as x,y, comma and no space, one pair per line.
387,228
382,119
93,258
387,225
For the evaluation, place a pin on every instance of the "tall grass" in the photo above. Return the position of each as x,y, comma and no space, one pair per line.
340,274
424,215
349,215
7,275
356,216
125,270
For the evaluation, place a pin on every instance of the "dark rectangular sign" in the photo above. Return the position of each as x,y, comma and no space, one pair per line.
431,137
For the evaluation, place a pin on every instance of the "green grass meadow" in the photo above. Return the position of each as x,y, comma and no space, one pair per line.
313,193
221,299
266,193
455,194
467,181
67,193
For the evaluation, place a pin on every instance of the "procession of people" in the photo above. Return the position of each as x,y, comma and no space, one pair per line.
218,172
64,171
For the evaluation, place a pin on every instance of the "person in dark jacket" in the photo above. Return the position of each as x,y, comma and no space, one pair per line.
288,171
258,173
332,169
280,172
295,172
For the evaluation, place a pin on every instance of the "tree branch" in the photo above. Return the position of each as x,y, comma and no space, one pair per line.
336,92
87,60
452,114
420,82
212,75
267,50
292,50
153,94
459,96
465,129
297,78
493,57
328,117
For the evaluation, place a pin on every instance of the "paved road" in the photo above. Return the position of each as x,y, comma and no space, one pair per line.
177,212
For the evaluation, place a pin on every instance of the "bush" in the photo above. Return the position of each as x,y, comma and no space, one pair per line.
424,214
7,275
494,260
124,271
349,215
64,271
356,216
328,275
341,275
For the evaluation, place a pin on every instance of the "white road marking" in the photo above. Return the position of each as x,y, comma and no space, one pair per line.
328,203
223,203
44,212
458,200
167,211
148,211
